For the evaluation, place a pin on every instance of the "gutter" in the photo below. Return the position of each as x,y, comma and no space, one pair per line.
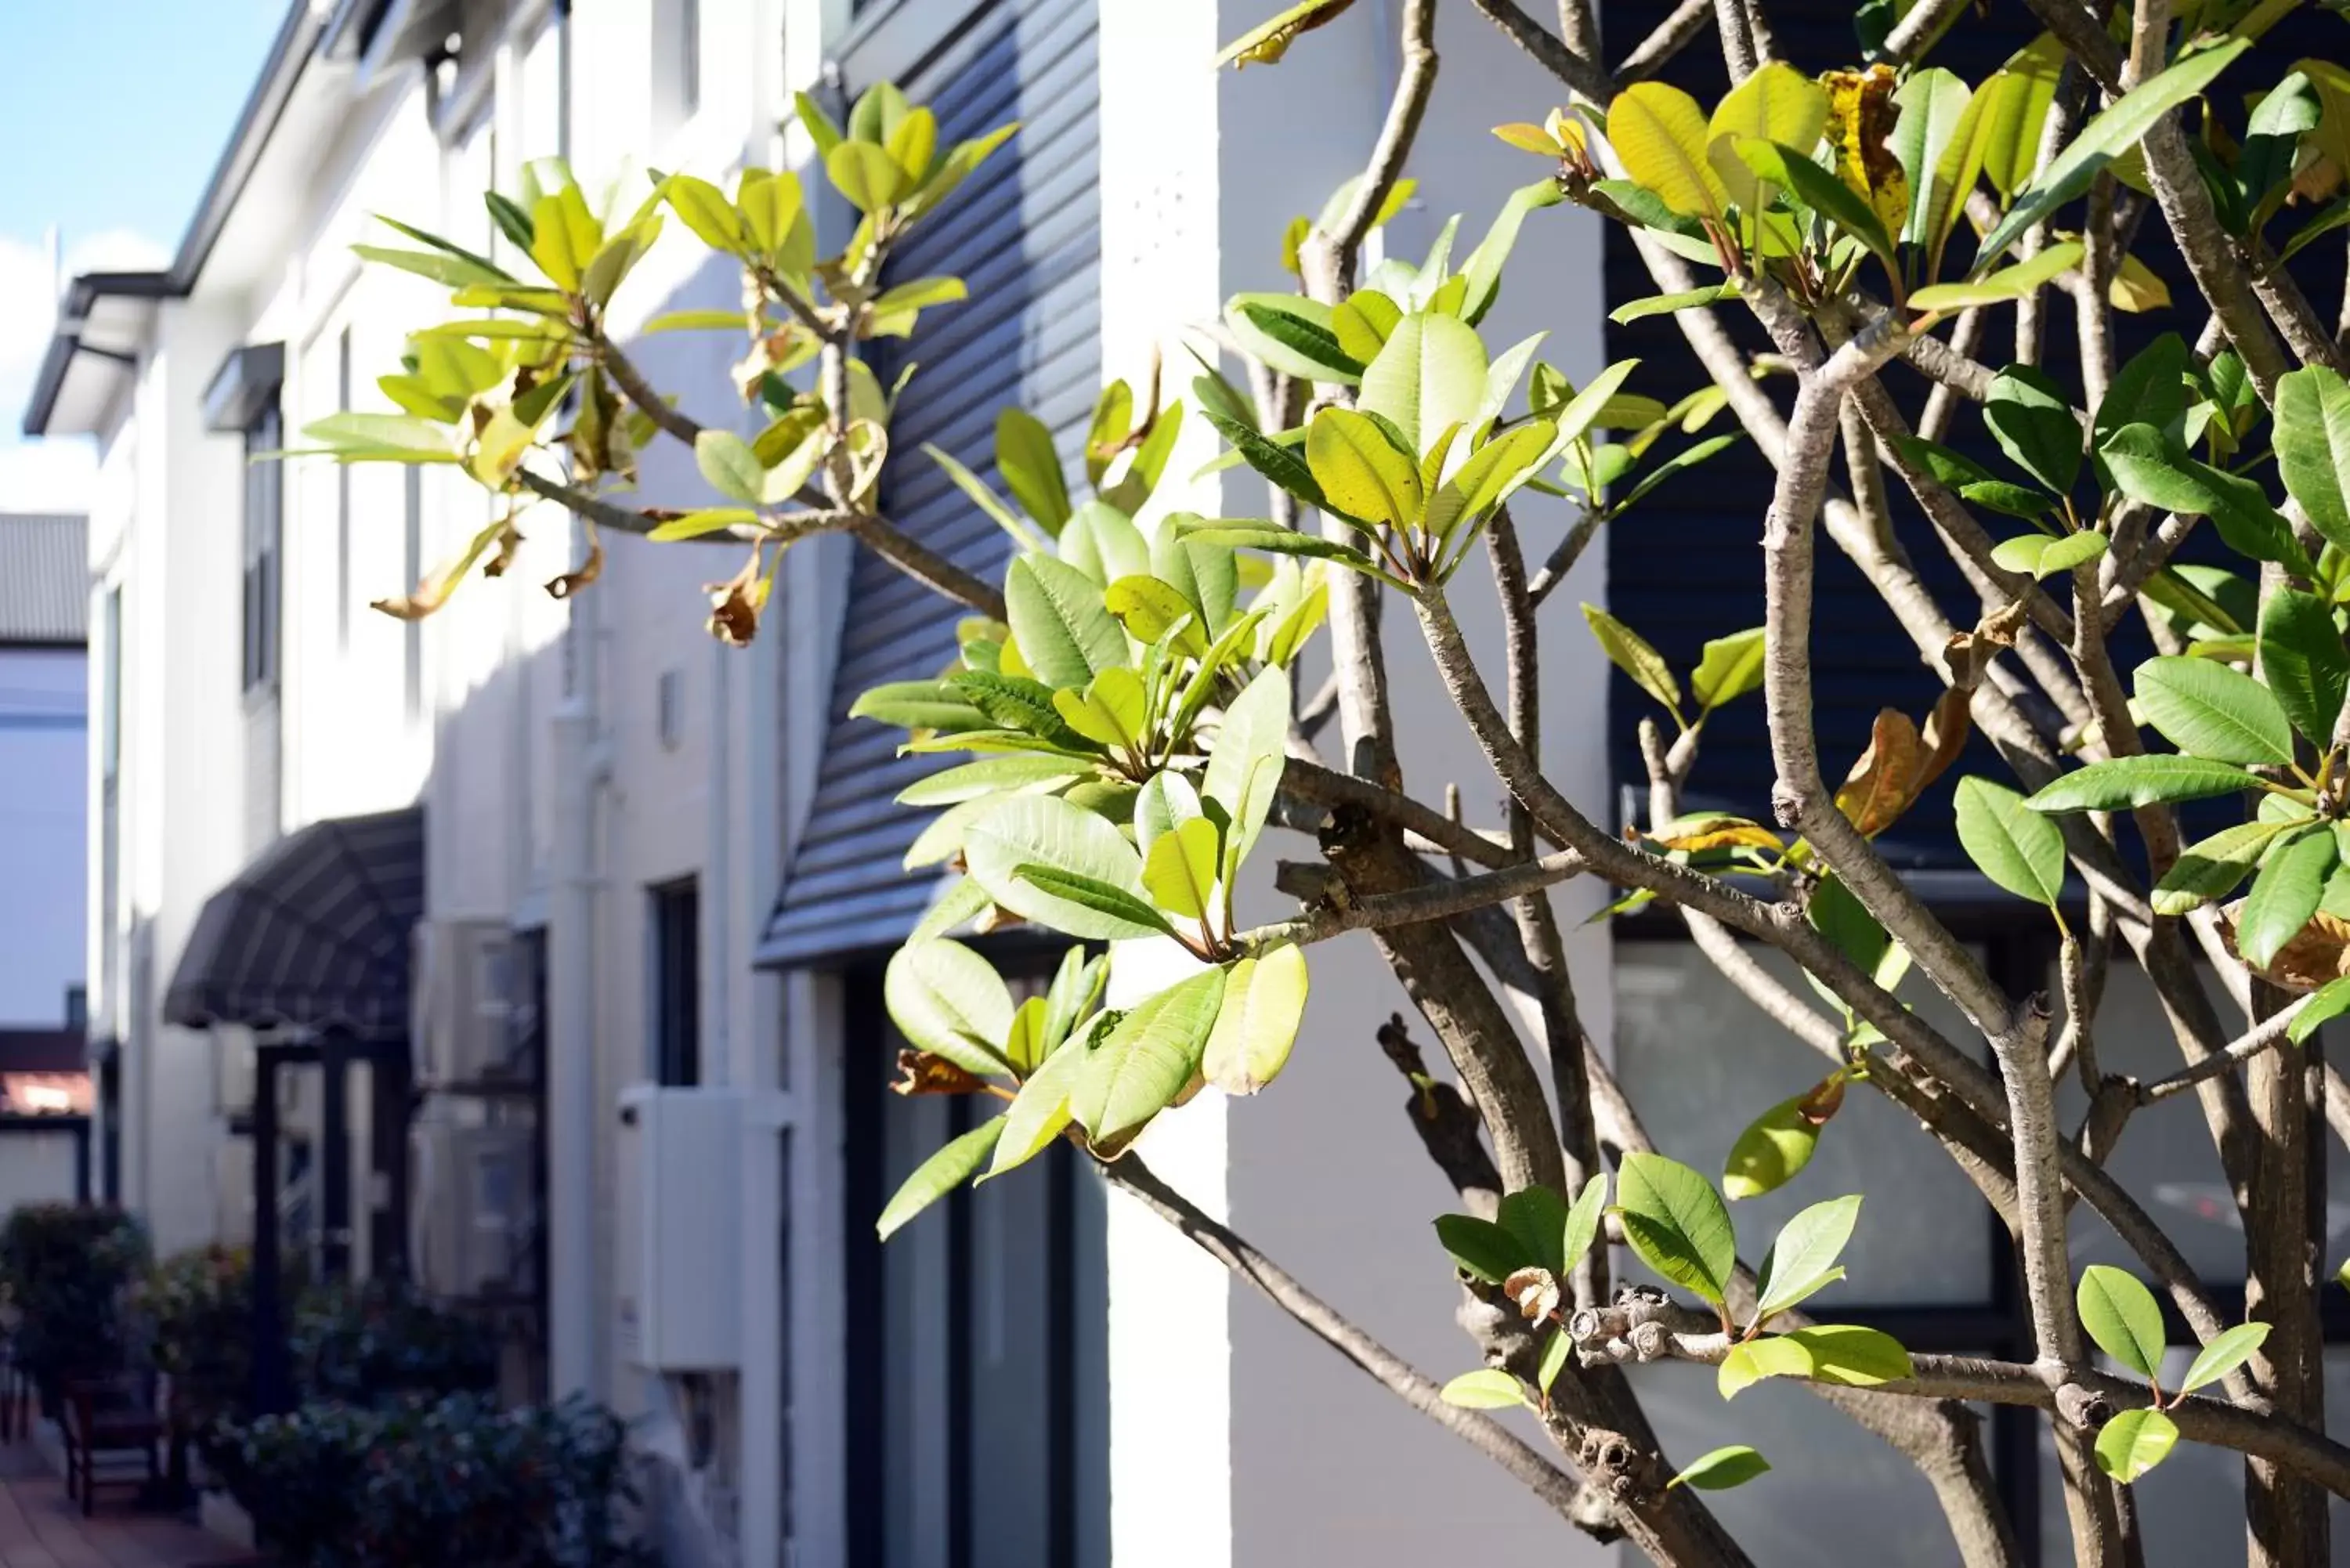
298,39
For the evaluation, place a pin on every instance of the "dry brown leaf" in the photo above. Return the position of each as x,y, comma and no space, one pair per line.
1878,789
2317,956
1535,1291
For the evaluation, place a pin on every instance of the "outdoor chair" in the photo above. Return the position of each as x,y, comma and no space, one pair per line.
109,1426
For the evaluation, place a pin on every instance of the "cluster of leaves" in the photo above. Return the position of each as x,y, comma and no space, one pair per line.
484,391
1676,1224
1804,182
68,1268
1428,451
370,1341
455,1480
199,1306
2124,1319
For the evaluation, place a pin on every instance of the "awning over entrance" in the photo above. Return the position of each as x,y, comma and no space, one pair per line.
313,934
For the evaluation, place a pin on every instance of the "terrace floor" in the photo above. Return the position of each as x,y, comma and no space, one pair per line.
39,1528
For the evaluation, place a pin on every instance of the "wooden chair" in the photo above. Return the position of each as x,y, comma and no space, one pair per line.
110,1425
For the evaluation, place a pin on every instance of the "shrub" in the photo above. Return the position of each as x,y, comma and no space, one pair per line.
199,1307
364,1342
65,1266
451,1481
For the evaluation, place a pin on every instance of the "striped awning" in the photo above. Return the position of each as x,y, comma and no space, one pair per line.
313,934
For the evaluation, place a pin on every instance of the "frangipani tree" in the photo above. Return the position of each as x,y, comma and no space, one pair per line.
1128,722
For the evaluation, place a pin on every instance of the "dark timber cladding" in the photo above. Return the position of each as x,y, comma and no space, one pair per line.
1690,567
1025,234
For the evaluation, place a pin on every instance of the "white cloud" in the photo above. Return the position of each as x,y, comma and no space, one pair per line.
51,474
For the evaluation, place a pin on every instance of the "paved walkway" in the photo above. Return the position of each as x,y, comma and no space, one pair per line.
40,1529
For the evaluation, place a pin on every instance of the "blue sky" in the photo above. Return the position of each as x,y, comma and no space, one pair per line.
115,111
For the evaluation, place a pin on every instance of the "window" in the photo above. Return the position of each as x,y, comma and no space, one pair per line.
412,566
676,983
676,64
987,1334
264,503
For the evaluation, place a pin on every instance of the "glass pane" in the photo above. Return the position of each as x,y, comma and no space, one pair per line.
2166,1157
1829,1480
1699,1062
2191,1511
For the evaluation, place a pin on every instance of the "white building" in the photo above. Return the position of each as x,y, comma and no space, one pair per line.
638,857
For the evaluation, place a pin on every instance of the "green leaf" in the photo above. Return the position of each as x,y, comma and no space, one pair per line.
1843,1354
1821,191
2045,554
1030,467
1265,1002
1934,110
1630,653
710,520
2211,711
1720,1469
866,174
454,270
2211,868
1660,133
1803,1260
1688,458
1108,912
1102,542
2034,424
1254,736
1482,269
1284,468
919,705
1732,667
938,1176
2150,466
2331,1001
2150,388
2015,846
1363,475
1046,832
2302,661
1039,1112
2285,895
1779,1142
1667,303
1065,631
1556,1353
2120,1313
1144,1062
1292,334
1480,1248
2312,448
2134,1443
2227,1350
1583,1222
1179,872
1431,375
2128,782
1537,1216
1777,103
727,462
2106,138
1487,1389
400,438
1676,1223
1290,542
947,1000
2025,278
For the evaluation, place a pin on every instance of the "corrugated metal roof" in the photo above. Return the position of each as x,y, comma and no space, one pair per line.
44,577
1025,234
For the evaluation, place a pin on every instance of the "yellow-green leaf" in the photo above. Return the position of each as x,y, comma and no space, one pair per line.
1180,873
1265,1002
866,174
1660,134
1631,653
1777,103
1359,471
